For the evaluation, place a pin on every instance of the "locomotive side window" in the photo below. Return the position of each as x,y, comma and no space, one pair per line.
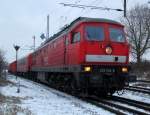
116,35
66,41
76,37
95,33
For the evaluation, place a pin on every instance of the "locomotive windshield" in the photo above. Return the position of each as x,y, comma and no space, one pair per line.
95,33
116,35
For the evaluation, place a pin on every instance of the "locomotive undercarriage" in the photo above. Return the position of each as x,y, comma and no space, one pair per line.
83,83
100,83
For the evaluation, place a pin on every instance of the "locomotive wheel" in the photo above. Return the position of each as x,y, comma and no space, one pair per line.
67,87
101,93
111,92
74,88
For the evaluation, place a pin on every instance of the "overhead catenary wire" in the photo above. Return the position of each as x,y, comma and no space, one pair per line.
69,11
97,7
89,6
87,10
62,19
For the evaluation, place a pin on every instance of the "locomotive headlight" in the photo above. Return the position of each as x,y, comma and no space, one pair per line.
124,69
87,69
108,50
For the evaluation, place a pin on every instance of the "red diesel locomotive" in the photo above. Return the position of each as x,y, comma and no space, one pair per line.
90,55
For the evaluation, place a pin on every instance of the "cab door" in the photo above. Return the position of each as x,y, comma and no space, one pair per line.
74,47
66,43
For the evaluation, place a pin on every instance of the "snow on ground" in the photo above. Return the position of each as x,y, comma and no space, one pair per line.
37,99
42,100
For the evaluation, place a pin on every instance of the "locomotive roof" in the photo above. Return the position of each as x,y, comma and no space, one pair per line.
78,20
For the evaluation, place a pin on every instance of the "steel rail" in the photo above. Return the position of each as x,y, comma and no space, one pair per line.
142,105
146,81
126,109
137,90
102,105
146,89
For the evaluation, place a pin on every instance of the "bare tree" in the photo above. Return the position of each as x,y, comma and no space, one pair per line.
137,25
2,62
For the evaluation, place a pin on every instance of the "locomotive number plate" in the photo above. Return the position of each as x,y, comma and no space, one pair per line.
107,70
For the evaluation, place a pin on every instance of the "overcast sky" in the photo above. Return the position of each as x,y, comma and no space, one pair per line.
21,19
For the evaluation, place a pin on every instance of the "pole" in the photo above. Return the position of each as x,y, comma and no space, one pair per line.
16,63
16,48
34,43
125,8
47,26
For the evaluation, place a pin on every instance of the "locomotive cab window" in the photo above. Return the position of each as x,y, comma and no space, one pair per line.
95,33
116,35
75,37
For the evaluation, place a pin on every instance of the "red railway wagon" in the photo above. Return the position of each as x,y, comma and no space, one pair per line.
24,64
12,67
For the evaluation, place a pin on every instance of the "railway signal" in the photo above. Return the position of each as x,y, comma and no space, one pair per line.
42,36
47,33
16,48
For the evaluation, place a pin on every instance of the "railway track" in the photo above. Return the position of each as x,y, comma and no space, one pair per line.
113,105
94,102
141,105
103,105
121,106
138,89
117,106
142,88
